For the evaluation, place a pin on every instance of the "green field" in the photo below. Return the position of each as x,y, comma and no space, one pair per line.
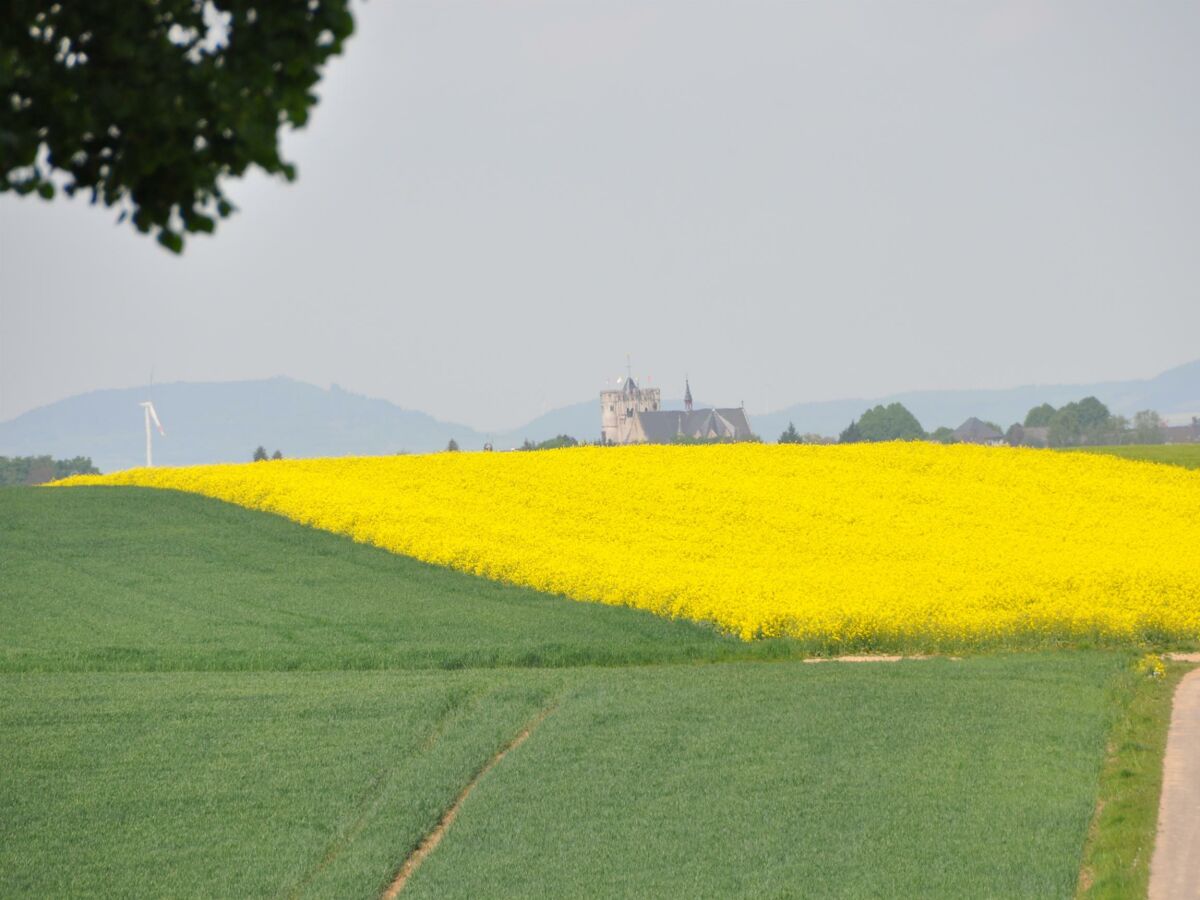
1186,455
174,581
197,700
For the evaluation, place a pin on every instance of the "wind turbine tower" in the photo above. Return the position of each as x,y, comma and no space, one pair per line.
150,414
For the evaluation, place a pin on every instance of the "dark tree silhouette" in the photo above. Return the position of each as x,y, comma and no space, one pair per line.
149,106
884,423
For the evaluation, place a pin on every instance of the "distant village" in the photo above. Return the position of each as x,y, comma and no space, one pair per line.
634,415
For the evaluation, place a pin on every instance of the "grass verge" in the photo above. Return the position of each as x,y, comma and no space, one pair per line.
1116,858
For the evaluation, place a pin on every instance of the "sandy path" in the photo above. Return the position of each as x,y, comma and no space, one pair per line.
431,840
1175,865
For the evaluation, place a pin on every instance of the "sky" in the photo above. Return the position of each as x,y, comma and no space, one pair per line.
499,200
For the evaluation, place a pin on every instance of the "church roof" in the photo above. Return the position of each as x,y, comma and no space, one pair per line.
736,417
976,430
660,426
629,386
664,426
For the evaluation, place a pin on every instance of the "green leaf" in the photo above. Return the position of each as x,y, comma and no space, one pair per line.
197,222
171,241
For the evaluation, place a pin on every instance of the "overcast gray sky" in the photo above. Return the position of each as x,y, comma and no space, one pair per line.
787,201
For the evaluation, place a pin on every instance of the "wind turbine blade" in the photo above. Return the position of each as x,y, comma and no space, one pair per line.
154,416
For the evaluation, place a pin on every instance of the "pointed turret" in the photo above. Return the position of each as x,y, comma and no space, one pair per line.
687,395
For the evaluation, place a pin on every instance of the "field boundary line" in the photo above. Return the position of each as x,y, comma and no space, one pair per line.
429,843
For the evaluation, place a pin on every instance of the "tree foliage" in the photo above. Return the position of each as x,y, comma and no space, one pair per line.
1040,416
943,435
452,447
554,443
1065,428
790,435
1085,421
1092,414
150,104
1148,427
17,470
260,453
884,423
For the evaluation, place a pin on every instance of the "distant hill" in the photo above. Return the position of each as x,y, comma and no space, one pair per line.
224,422
580,420
1174,391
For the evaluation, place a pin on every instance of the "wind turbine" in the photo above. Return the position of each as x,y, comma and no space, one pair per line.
148,409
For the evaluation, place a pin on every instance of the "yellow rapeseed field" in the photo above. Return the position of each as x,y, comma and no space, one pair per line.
846,546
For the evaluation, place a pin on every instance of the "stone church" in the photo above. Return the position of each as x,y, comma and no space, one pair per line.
633,415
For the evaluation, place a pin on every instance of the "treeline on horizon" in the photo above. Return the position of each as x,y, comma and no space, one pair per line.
1079,423
29,470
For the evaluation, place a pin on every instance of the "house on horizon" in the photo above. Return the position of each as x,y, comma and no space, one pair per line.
1182,434
977,431
1034,435
633,415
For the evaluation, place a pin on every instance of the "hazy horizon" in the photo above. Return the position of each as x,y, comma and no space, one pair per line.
497,201
673,399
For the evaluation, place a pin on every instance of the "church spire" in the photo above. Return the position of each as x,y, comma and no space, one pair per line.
687,395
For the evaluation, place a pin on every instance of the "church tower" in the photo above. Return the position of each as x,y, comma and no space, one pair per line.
687,395
618,409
